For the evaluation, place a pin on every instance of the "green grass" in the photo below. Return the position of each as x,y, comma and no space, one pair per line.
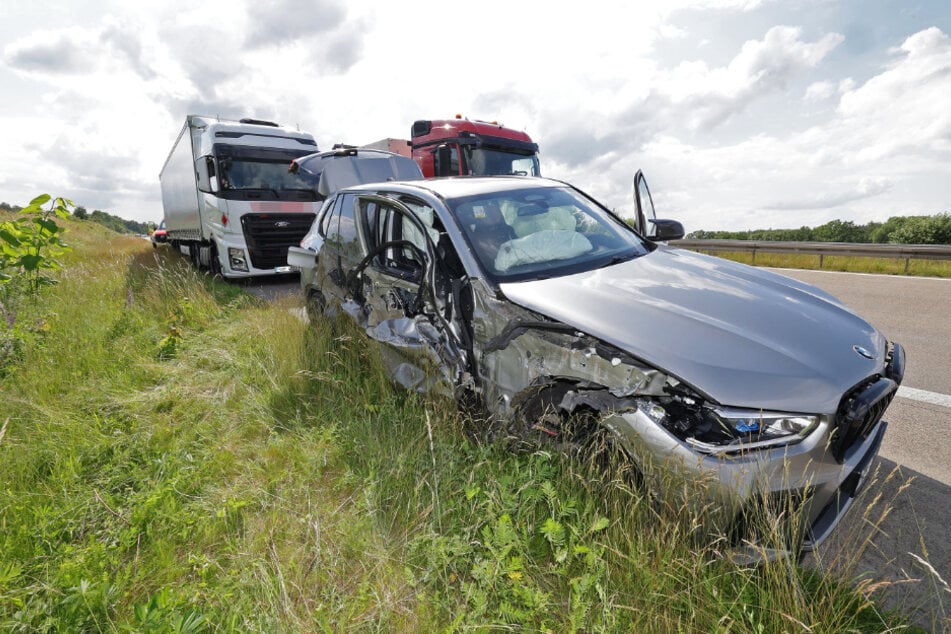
887,266
180,457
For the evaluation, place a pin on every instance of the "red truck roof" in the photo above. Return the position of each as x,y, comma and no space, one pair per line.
434,131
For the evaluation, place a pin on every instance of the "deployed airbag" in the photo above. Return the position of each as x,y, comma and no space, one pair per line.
543,246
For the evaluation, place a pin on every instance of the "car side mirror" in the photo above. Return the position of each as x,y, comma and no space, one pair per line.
665,230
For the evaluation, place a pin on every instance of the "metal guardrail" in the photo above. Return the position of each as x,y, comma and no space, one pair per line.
907,252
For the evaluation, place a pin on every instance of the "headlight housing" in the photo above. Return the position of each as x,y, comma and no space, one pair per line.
237,259
726,430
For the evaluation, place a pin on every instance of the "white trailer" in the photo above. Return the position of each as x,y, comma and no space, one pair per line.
230,202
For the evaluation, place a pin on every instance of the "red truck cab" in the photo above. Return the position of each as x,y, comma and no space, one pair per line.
460,147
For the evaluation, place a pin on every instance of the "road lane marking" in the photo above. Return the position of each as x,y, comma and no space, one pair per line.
924,396
888,275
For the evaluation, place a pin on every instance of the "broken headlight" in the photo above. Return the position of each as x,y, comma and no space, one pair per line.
717,429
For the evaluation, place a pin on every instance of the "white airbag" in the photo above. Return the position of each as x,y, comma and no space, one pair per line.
543,246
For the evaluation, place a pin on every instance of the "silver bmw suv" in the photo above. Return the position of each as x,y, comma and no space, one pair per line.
536,299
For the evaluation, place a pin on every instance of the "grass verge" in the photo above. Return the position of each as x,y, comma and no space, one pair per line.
180,457
886,266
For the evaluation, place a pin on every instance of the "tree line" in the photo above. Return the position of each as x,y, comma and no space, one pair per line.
117,224
934,229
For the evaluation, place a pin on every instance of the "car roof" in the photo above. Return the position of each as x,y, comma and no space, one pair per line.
460,186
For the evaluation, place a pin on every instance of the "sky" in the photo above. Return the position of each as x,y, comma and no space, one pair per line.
742,114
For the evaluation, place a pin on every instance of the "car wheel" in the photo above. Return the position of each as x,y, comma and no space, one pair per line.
540,424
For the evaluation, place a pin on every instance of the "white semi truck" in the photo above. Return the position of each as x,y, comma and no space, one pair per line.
230,202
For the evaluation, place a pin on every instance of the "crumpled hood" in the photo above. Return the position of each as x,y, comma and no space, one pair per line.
743,336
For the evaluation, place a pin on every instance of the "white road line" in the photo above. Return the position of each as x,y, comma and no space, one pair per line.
924,396
893,276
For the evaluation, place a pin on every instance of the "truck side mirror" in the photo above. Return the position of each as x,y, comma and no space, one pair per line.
443,161
205,172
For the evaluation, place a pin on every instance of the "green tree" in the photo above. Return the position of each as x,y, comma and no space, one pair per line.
117,224
836,231
897,229
923,230
80,213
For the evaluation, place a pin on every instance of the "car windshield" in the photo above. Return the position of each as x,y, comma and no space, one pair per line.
492,162
541,232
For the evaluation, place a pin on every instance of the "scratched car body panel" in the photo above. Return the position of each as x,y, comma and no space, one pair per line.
531,296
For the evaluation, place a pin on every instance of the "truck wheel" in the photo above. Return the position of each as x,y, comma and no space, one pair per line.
214,264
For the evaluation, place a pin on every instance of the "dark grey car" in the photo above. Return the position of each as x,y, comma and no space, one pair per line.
535,298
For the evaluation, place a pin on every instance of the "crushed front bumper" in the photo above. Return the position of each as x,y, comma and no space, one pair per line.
804,487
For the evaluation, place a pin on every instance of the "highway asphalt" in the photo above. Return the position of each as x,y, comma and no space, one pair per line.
908,556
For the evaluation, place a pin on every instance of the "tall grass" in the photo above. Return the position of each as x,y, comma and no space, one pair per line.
178,456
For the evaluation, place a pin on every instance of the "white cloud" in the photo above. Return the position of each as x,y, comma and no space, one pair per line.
762,67
734,128
820,91
73,51
903,110
865,188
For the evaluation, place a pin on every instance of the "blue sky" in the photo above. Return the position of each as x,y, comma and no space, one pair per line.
742,113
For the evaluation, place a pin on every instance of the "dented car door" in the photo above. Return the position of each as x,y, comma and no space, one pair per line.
392,292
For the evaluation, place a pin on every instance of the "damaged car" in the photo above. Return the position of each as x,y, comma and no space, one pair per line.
541,303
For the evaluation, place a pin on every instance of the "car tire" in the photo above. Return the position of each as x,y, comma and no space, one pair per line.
539,424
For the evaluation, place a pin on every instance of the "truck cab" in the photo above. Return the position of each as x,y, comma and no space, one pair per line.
460,147
229,202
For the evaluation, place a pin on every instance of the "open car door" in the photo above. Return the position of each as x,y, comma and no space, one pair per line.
647,223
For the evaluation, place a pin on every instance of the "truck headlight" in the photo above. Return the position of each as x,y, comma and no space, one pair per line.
237,259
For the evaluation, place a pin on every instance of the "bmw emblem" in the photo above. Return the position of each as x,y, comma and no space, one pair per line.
862,352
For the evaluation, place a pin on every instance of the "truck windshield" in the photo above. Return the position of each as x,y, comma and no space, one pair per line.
258,169
484,161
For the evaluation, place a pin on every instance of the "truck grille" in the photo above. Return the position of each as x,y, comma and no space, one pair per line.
269,235
859,413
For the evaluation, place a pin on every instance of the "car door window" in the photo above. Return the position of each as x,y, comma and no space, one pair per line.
325,219
386,225
342,234
645,205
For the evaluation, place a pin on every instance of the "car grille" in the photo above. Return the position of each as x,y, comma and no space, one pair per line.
269,235
859,413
